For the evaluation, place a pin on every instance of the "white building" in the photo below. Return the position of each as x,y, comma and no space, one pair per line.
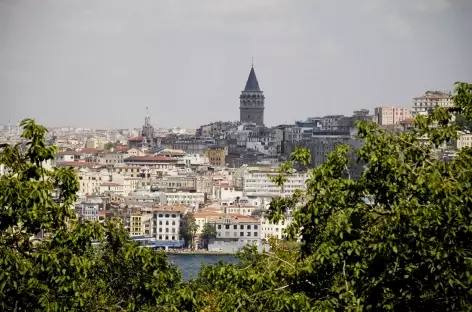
464,140
67,156
276,230
90,181
257,183
185,198
111,187
112,158
166,222
244,210
234,232
89,211
424,104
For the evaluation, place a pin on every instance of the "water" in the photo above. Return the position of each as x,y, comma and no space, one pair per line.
190,264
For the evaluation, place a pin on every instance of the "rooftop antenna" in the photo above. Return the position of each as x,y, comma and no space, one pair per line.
9,127
252,63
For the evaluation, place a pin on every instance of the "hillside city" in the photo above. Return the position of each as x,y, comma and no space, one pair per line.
220,173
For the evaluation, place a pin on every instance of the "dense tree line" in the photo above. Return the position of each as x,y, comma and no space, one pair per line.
399,238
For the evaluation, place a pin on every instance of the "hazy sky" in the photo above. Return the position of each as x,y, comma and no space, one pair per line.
100,63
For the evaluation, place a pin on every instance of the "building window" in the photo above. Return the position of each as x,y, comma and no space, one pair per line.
167,237
241,233
227,226
173,216
167,222
255,233
241,227
160,236
160,222
160,215
167,230
248,234
173,237
248,227
235,227
219,226
255,227
160,230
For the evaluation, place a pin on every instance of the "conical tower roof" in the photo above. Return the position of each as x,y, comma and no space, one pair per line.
252,84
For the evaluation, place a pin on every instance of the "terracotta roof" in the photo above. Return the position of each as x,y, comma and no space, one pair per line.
68,153
122,148
150,158
90,150
76,164
109,184
206,214
138,138
242,206
176,208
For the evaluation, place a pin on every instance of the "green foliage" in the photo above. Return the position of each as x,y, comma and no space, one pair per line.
65,271
188,230
208,233
396,239
109,145
399,237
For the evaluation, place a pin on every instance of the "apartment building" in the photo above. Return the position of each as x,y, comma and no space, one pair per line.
257,183
217,155
112,158
464,140
390,115
185,198
276,230
424,104
140,224
89,211
166,222
242,229
244,210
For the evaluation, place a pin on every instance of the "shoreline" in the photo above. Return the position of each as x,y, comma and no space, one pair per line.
196,252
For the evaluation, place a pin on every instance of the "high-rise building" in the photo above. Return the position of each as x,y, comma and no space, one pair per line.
251,101
389,115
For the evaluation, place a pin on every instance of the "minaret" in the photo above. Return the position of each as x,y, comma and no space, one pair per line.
251,101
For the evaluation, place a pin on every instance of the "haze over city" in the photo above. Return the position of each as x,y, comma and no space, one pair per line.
101,63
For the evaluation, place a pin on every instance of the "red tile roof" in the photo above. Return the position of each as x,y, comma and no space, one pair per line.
122,148
76,164
138,138
150,158
68,153
89,150
109,184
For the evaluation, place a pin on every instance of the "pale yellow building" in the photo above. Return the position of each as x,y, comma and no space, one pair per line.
140,224
464,140
217,155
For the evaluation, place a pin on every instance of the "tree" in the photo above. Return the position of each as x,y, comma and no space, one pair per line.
188,230
65,271
208,234
399,237
109,146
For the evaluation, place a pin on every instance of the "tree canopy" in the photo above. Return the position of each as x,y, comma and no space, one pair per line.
208,233
398,238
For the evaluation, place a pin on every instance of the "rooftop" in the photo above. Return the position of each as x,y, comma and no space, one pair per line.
252,84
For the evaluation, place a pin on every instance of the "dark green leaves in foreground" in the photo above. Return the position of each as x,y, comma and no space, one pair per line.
397,239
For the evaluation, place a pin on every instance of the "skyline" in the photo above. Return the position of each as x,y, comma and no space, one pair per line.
96,65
